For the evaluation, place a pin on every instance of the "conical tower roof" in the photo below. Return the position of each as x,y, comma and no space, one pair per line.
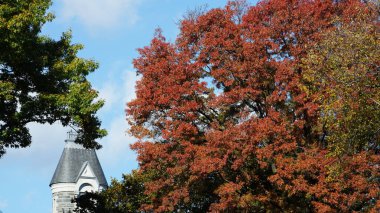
72,160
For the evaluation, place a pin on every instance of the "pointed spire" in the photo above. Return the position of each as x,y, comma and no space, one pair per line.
72,159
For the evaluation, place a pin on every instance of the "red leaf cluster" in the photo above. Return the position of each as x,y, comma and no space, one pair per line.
223,124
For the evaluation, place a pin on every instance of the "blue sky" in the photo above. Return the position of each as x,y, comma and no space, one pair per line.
111,31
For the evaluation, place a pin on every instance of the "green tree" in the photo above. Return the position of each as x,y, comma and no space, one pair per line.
342,75
91,203
41,79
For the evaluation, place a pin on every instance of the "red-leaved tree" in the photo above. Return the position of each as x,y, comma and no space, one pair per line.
224,122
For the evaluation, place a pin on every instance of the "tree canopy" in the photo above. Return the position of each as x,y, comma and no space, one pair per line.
265,108
41,79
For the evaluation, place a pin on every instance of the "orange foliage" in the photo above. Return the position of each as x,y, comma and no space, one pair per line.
222,121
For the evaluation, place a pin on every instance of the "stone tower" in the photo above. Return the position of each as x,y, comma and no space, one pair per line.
77,172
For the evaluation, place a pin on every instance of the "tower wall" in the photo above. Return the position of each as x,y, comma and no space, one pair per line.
63,194
63,202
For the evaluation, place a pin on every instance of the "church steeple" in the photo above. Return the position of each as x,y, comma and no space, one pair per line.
78,171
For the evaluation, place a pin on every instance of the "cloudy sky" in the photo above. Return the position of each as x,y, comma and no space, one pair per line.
111,31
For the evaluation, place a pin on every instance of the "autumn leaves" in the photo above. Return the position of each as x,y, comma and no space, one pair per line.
295,126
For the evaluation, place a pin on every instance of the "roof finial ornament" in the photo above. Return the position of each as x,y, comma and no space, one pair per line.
71,135
70,140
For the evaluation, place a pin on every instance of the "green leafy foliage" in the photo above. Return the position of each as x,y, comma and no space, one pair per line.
342,74
125,196
91,203
42,80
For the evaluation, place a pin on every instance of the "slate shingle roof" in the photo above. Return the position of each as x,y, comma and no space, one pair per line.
72,159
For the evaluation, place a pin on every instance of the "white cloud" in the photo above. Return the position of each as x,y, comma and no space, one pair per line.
101,14
117,91
29,197
109,93
130,79
43,154
116,145
3,204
